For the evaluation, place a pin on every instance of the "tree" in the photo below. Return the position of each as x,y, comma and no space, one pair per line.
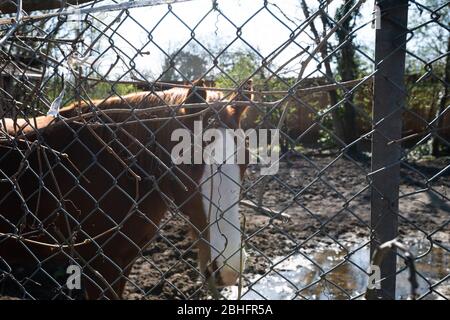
436,144
184,65
238,67
430,46
347,68
338,126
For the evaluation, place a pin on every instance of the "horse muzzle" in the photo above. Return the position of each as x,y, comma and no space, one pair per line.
225,275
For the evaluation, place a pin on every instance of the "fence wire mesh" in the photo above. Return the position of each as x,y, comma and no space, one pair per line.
93,205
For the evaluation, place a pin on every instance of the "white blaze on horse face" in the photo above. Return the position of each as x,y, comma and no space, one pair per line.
223,199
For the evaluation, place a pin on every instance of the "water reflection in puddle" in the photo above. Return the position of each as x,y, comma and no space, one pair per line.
301,273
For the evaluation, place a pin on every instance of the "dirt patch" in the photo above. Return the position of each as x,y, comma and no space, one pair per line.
328,200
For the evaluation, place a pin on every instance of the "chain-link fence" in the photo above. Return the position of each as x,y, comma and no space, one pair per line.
117,121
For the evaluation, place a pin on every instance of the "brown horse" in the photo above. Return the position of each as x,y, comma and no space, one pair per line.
73,191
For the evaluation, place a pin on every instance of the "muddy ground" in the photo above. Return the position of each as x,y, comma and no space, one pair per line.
328,209
328,201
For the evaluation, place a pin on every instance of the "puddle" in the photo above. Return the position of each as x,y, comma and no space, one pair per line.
301,274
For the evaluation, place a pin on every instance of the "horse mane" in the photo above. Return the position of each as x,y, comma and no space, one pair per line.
199,93
137,100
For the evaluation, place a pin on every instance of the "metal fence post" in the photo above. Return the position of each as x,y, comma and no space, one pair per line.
389,99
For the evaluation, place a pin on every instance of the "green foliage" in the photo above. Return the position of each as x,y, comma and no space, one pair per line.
420,152
100,90
326,139
103,90
240,68
185,65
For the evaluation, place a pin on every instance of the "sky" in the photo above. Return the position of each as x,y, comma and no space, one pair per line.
263,29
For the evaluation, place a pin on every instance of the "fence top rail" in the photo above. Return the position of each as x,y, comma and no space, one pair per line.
89,10
310,90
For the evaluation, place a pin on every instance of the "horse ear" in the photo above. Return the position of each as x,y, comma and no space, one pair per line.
237,111
248,86
196,94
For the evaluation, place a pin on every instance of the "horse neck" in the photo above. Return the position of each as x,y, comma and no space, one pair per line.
137,100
